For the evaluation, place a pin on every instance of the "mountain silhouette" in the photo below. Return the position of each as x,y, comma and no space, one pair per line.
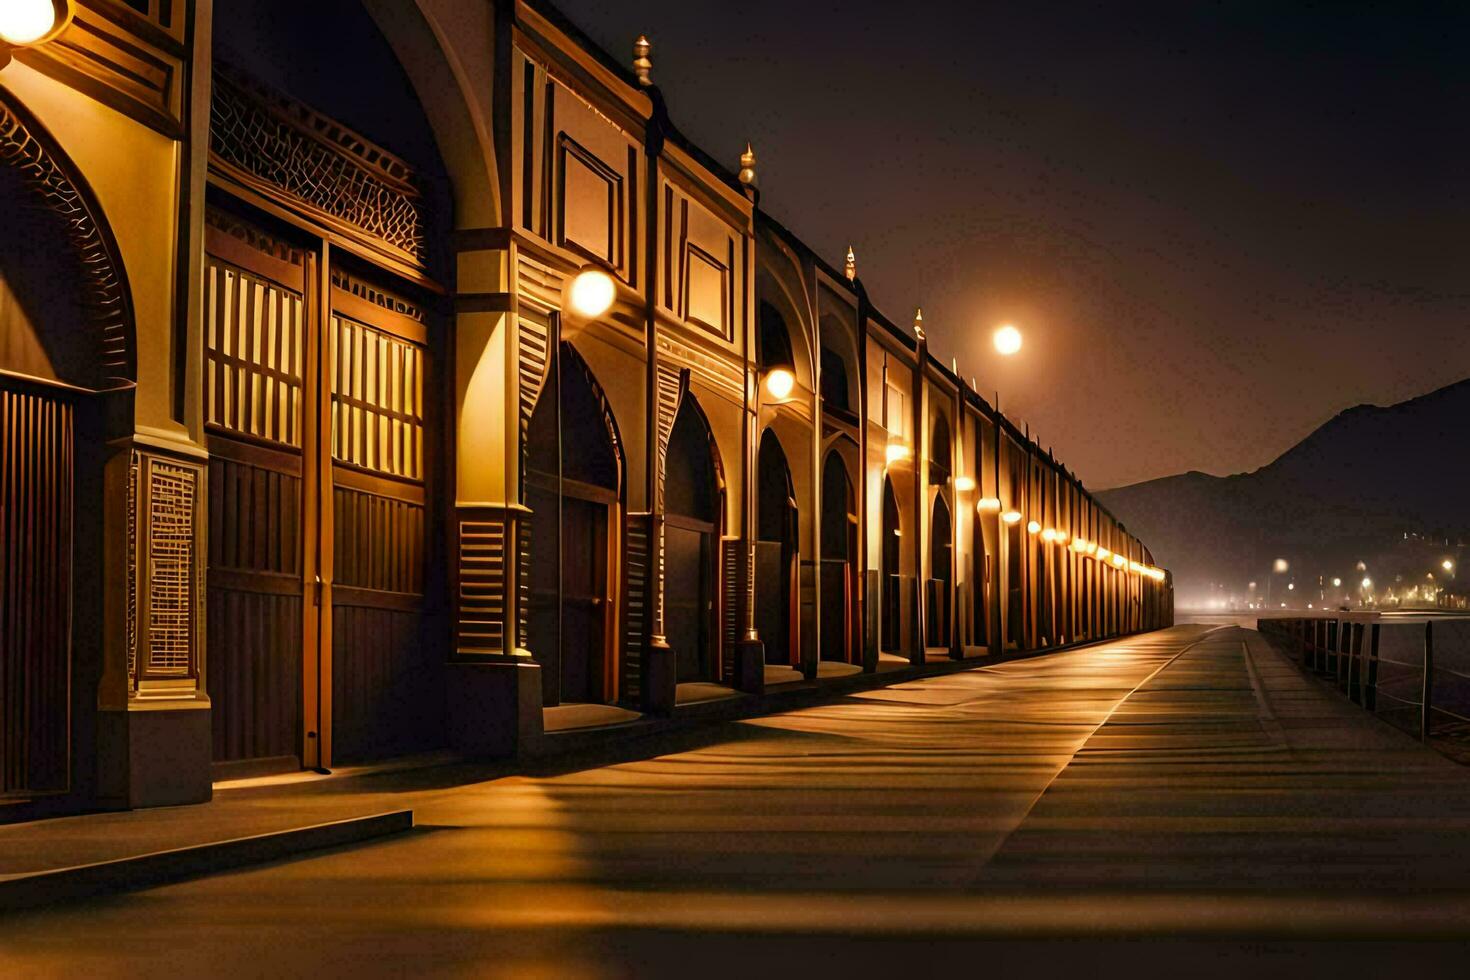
1358,487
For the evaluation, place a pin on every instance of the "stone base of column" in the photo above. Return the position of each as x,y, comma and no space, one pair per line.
750,667
494,706
660,681
154,755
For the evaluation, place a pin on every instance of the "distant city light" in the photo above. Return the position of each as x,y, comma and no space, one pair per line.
1336,582
1367,583
1447,565
1008,340
1290,586
1279,565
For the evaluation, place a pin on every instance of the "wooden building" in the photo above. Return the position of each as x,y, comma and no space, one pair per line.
377,376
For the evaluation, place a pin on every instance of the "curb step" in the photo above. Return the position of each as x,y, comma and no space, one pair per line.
163,867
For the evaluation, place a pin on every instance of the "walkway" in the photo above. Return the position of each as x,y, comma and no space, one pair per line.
1184,783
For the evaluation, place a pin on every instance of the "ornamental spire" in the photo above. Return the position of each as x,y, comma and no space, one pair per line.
919,323
747,166
849,268
641,65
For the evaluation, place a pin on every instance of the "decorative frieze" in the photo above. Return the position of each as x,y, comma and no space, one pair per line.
273,143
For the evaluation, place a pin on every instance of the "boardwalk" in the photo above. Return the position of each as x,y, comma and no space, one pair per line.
1187,783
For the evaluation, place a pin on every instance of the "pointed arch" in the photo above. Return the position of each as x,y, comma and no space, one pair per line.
58,239
694,492
890,555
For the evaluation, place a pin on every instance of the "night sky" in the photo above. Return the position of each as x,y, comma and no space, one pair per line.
1217,224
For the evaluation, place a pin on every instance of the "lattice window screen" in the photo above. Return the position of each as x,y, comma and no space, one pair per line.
253,337
377,400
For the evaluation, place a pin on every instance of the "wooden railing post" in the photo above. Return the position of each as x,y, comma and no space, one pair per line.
1370,698
1426,705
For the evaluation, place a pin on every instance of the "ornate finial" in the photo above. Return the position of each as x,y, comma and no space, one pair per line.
919,323
849,268
641,65
747,167
954,366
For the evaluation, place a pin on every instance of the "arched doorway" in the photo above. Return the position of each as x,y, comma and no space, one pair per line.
775,553
980,584
66,341
941,576
839,562
890,552
574,476
693,503
325,337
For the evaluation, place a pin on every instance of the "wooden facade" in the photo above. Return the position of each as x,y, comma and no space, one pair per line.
307,458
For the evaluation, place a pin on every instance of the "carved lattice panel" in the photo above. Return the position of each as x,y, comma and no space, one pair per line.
168,563
322,166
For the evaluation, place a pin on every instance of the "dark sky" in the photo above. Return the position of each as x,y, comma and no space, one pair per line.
1217,224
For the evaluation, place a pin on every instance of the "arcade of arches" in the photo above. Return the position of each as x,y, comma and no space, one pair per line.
306,458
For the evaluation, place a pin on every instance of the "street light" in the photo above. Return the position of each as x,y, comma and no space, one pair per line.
1448,565
592,292
779,382
1007,340
27,22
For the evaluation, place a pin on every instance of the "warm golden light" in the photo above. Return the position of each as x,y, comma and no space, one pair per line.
989,505
1335,583
1102,553
1367,583
1079,545
897,451
1008,340
1011,517
1049,535
964,484
1119,561
1279,565
1032,527
1447,565
28,21
779,382
592,292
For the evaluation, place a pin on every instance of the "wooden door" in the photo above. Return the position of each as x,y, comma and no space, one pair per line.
37,448
385,652
320,643
257,420
584,600
688,595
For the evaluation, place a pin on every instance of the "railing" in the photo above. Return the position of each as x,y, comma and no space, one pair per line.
1387,665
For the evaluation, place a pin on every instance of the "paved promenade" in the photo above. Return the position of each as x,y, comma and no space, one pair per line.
1189,787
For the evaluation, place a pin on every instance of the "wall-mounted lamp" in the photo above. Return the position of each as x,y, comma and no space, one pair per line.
779,382
988,505
964,484
897,451
1033,527
592,292
26,23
